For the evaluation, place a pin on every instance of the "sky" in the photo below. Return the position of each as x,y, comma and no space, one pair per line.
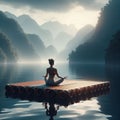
76,12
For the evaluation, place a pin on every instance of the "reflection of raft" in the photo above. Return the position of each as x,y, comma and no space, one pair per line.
69,92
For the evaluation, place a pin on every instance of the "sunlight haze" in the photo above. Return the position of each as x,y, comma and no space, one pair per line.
78,16
54,21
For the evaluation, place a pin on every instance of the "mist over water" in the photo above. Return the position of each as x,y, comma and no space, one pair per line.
15,109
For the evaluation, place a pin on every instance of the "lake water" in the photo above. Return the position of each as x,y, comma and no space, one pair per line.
102,108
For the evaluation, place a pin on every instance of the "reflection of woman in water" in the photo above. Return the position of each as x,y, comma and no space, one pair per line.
50,73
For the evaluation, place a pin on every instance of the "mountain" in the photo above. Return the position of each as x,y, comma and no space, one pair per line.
39,47
82,35
30,26
9,15
51,33
17,37
7,53
37,44
93,50
51,51
61,40
55,28
113,51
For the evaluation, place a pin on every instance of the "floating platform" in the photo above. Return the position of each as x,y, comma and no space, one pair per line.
67,93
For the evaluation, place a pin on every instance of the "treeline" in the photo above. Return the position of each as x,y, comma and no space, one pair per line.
113,51
94,49
7,53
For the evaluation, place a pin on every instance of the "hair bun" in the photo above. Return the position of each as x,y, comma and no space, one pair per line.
51,60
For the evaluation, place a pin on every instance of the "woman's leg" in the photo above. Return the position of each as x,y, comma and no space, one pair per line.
59,81
50,83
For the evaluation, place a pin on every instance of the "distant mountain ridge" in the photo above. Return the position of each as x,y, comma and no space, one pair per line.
30,26
35,41
62,33
55,28
93,51
81,36
17,37
61,41
51,51
51,33
37,44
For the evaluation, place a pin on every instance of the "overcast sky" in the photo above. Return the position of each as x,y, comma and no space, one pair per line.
77,12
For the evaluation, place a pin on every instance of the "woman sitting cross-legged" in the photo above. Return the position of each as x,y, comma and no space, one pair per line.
50,73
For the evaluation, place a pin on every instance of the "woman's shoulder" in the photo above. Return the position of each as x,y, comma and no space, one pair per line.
55,68
51,68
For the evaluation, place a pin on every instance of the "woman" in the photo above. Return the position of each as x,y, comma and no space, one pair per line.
50,73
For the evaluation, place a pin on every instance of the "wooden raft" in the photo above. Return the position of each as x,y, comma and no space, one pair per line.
69,92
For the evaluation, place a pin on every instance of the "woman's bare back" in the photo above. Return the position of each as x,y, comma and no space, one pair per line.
51,72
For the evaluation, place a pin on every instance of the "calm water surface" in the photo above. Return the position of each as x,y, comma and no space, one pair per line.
101,108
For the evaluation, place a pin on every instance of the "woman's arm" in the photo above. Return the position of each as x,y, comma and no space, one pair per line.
45,77
58,74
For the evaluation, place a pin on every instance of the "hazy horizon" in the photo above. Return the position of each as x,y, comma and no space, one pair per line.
75,13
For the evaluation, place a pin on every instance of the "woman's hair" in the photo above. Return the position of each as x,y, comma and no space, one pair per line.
51,61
